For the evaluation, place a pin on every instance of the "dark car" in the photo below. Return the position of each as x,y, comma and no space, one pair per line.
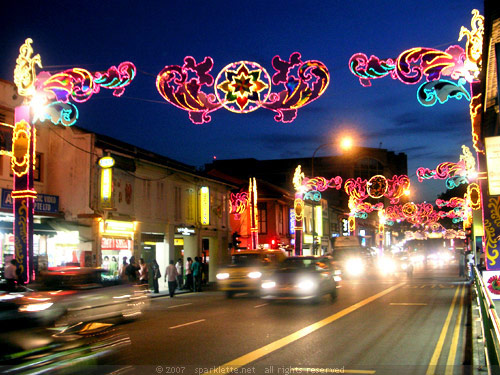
353,261
301,277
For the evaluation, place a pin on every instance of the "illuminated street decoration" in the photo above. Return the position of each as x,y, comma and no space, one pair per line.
79,85
376,187
254,222
239,203
416,63
47,97
454,173
25,71
243,87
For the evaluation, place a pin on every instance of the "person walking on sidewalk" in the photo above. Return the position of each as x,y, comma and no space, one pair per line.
171,276
189,274
179,267
196,268
155,269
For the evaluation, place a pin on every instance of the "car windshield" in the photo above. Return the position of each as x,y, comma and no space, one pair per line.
299,263
247,260
347,252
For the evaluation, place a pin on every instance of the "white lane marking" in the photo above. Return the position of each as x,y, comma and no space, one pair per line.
184,304
264,304
187,324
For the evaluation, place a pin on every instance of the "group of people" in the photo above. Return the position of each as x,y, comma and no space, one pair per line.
139,273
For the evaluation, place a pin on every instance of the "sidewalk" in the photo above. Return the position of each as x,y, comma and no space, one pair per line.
210,287
478,349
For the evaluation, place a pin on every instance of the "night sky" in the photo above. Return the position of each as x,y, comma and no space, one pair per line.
152,34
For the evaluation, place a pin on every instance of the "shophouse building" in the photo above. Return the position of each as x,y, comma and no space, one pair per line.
157,208
326,219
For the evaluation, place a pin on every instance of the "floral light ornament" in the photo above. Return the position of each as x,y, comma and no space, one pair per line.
243,87
239,203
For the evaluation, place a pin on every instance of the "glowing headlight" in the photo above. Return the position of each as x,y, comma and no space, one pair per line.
222,276
387,265
306,285
404,266
268,285
33,307
255,275
354,266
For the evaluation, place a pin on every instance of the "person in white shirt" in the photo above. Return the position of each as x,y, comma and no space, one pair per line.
171,275
178,266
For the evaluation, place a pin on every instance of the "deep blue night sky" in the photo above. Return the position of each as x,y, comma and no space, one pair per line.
97,34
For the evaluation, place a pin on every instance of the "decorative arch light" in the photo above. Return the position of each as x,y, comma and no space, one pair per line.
243,87
412,65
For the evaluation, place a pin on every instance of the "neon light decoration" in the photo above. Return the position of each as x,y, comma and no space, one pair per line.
25,71
243,87
20,160
79,85
454,173
239,203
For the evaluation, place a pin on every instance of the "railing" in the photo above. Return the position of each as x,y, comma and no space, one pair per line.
490,325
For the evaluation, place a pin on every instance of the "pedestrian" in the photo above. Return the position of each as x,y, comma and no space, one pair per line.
10,275
143,272
196,268
171,276
132,270
189,274
155,270
461,263
179,267
470,265
122,270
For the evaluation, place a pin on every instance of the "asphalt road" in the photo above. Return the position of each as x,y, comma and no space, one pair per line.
375,326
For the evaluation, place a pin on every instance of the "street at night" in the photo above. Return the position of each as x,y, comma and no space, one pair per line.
376,325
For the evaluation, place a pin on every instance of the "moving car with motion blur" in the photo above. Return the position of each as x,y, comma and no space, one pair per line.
246,270
353,261
395,264
301,277
68,295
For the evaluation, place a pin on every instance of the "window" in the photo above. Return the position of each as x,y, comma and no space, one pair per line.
262,217
177,203
366,168
281,214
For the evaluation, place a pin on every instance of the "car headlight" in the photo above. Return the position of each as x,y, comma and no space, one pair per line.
255,275
354,266
222,276
268,285
34,307
387,265
306,285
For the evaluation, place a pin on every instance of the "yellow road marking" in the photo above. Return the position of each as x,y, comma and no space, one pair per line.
278,344
456,332
407,304
327,370
183,304
439,346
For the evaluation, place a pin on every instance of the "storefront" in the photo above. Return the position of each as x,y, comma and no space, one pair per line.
117,243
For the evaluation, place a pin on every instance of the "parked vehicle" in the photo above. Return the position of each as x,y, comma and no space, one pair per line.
246,270
301,277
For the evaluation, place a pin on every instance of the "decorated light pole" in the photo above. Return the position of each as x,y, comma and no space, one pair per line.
47,97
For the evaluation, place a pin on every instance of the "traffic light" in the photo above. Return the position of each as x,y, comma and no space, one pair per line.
236,240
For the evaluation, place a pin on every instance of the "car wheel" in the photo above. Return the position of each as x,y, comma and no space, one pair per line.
333,294
229,294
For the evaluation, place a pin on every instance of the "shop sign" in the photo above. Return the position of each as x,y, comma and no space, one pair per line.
115,227
44,203
114,243
291,221
492,145
178,241
205,205
185,231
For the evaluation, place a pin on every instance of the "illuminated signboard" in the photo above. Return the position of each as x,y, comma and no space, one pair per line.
115,227
345,227
185,231
205,205
292,221
493,164
318,220
106,164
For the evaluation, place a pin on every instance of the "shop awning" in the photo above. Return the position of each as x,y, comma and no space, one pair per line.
40,229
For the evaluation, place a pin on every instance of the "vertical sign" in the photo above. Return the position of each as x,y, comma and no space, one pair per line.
492,145
106,163
205,205
318,220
